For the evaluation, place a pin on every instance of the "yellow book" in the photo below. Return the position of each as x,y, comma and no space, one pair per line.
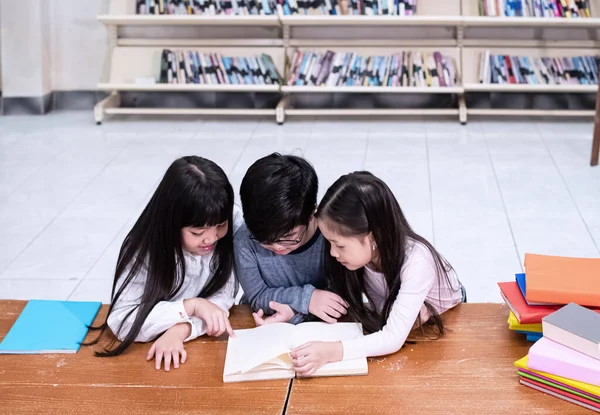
513,324
426,69
586,387
566,9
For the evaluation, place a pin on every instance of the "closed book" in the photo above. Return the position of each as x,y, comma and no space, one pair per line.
554,358
525,313
576,327
561,280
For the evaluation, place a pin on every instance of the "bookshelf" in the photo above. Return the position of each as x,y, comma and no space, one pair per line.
452,27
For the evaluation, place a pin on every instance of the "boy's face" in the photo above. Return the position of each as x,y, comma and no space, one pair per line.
289,242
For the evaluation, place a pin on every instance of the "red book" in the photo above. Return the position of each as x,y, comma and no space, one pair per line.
525,313
510,70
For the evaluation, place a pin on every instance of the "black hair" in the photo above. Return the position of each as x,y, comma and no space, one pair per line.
194,192
278,193
359,203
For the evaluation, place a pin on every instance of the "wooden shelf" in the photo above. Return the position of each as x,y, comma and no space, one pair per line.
530,112
188,87
584,89
188,111
352,20
452,27
187,20
372,89
370,111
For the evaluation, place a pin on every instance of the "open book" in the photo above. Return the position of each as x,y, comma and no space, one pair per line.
262,353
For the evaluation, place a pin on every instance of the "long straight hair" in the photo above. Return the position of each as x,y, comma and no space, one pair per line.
359,203
193,192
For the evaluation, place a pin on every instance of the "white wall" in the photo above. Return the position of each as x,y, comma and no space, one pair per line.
51,45
79,44
27,75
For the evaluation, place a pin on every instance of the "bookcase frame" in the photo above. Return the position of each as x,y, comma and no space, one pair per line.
449,26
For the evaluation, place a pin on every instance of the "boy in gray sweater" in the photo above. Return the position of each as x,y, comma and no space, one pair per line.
279,252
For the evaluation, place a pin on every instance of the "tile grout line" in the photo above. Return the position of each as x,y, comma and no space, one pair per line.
564,181
364,162
430,187
243,151
152,190
63,210
42,165
510,228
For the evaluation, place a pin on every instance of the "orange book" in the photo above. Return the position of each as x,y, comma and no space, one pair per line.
561,280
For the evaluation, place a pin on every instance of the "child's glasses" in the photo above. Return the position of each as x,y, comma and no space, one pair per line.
284,242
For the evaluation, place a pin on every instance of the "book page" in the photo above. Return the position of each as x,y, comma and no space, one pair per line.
325,332
253,347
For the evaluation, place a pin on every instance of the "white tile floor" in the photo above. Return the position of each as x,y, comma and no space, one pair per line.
484,194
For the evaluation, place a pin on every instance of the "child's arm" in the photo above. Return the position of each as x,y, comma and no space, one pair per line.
417,280
224,299
163,316
418,277
256,290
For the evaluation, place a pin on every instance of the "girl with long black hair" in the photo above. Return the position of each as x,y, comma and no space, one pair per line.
174,276
372,250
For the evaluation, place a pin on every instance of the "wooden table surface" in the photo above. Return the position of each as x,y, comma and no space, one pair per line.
83,383
469,370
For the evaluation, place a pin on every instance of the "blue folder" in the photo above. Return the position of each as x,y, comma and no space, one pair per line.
47,326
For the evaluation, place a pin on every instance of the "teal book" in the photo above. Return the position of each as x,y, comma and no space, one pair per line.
47,326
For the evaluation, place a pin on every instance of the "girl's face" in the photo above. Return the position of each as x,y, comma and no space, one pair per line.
202,241
353,252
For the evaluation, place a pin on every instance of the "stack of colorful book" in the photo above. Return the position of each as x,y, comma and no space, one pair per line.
565,360
565,363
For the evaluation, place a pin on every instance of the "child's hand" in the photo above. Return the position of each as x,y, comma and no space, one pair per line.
327,305
169,347
283,314
310,357
214,317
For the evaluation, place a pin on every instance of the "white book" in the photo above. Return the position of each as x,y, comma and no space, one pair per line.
263,353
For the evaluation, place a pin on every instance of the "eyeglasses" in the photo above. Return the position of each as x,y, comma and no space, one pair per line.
284,242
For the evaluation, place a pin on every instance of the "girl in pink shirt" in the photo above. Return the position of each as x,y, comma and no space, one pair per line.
372,250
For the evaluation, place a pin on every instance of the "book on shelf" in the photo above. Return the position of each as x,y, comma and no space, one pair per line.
348,7
284,7
206,7
402,69
193,67
535,8
264,352
525,70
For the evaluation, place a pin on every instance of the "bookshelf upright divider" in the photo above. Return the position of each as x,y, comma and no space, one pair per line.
452,27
